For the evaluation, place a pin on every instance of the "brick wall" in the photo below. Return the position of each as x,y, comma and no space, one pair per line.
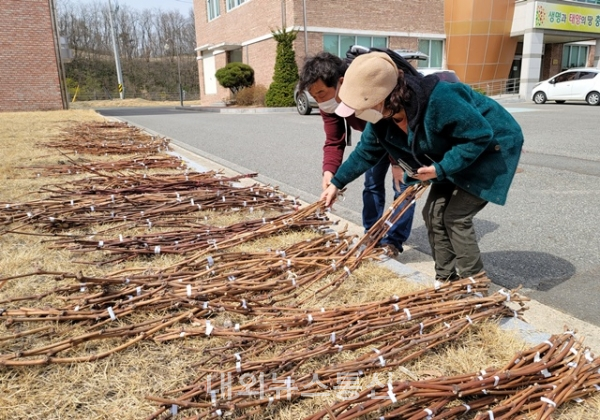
247,24
251,23
424,16
261,57
29,77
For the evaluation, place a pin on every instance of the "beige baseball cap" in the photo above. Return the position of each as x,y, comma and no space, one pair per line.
370,78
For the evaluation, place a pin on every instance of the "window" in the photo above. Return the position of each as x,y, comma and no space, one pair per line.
231,4
234,56
213,9
339,44
434,48
587,1
574,56
567,77
586,75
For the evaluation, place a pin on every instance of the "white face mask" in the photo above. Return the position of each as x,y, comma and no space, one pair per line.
370,115
329,106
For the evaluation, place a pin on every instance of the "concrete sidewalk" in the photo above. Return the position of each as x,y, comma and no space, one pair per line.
417,266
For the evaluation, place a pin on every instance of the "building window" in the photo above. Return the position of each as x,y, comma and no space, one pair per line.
574,56
339,44
234,56
434,48
213,9
231,4
587,1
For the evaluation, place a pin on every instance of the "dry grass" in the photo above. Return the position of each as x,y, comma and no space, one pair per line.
117,387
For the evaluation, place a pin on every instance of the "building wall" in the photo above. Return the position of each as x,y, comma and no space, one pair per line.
478,43
28,64
252,19
543,38
423,16
251,23
261,57
551,63
401,21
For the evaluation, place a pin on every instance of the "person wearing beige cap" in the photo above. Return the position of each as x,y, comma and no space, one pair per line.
464,143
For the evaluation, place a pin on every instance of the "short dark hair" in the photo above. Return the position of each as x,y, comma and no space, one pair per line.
324,66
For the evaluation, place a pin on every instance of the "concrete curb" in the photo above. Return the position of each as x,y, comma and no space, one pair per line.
234,110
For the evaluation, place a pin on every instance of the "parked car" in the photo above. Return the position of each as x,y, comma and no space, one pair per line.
578,84
305,102
412,55
445,75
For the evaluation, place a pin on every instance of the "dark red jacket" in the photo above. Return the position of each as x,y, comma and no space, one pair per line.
337,135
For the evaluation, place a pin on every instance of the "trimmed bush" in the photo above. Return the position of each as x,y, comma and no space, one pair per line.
281,91
235,76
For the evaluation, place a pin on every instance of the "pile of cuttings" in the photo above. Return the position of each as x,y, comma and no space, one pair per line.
288,353
258,315
108,138
139,199
69,166
534,383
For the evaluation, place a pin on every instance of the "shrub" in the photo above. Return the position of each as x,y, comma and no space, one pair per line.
281,91
253,95
235,76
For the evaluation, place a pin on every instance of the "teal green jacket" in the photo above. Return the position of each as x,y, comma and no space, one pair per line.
470,139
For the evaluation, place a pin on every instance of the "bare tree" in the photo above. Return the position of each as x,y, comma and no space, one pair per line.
157,47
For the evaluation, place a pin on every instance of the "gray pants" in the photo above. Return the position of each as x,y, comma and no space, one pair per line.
448,214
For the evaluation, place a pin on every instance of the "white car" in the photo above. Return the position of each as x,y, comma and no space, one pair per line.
578,84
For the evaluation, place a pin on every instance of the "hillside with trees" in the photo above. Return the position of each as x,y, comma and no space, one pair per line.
156,51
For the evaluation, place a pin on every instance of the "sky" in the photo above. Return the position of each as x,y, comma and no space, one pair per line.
182,5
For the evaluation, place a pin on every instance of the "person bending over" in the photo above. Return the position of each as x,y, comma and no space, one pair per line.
464,143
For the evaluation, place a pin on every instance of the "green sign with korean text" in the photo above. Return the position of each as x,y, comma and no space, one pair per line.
564,17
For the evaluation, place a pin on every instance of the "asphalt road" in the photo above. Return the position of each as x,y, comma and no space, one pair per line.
546,238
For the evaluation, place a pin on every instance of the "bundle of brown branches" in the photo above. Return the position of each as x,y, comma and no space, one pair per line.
249,279
108,138
106,184
191,238
535,382
195,238
251,302
140,199
380,335
69,166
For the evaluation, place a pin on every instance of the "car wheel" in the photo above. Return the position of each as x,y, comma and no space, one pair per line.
560,102
593,98
539,98
302,104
